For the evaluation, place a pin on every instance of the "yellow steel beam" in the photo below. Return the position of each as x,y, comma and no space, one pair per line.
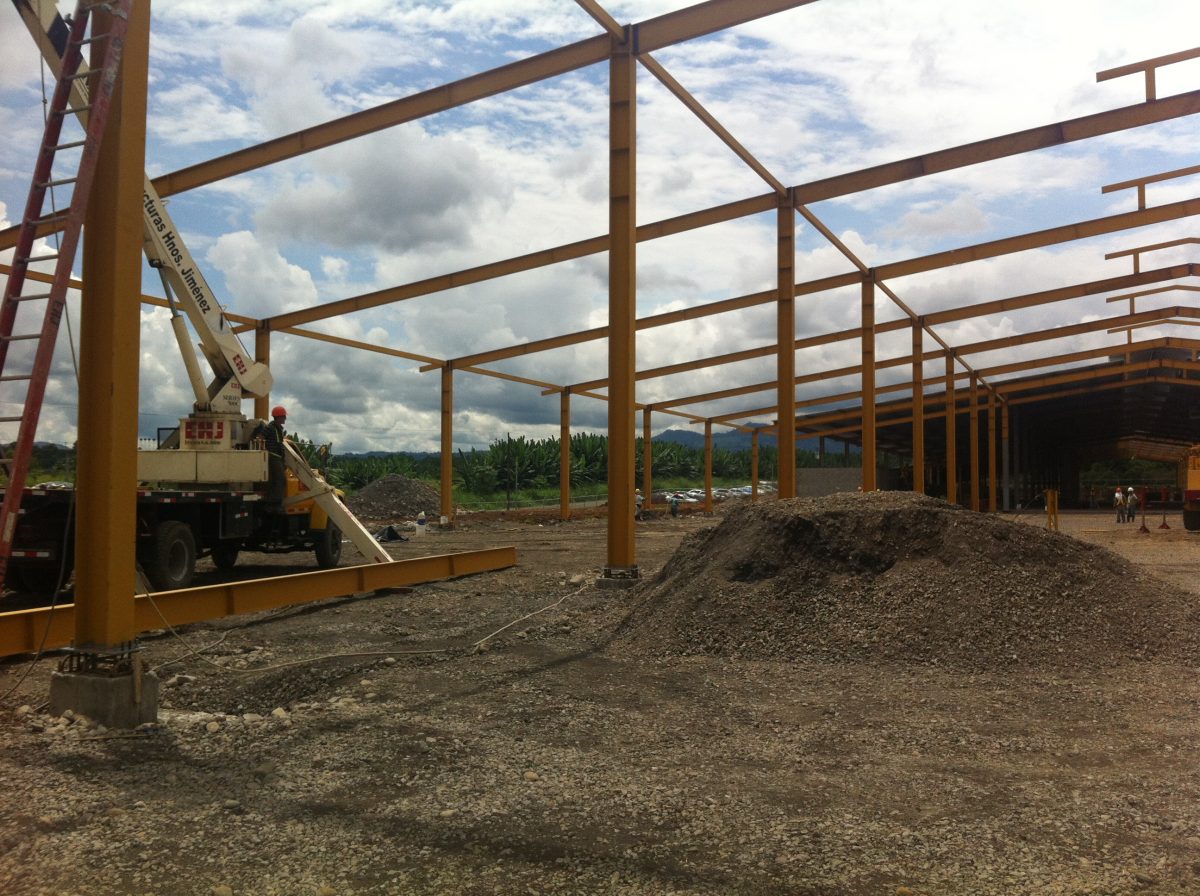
656,33
1141,182
1049,296
819,422
993,148
564,455
935,318
881,175
993,445
622,305
918,399
1051,236
439,99
262,354
1069,330
951,403
785,340
1164,342
106,494
1153,292
705,18
1147,67
446,433
708,466
22,631
868,384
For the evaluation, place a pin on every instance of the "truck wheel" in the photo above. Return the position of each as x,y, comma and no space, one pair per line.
224,556
328,546
169,558
1191,519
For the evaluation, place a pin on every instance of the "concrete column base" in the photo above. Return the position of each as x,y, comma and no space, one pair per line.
114,701
619,577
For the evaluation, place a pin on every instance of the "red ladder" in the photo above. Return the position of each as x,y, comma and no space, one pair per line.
34,374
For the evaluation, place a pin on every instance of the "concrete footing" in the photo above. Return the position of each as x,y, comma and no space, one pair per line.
619,577
121,701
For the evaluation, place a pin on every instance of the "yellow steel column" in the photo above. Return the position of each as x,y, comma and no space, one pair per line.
564,454
951,433
868,382
785,341
973,419
754,466
447,443
1005,459
105,576
647,459
708,458
918,397
622,305
262,352
993,445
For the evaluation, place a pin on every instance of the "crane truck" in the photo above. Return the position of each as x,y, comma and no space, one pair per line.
203,490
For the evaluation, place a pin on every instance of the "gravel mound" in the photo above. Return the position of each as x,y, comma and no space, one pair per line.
894,577
395,497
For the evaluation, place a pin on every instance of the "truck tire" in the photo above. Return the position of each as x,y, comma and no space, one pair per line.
224,556
1191,519
169,558
327,545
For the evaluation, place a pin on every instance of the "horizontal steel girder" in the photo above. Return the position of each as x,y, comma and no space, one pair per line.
23,631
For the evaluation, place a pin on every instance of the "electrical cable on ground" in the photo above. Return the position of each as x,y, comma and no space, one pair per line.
470,649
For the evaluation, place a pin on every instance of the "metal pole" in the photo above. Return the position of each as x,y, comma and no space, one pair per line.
918,397
951,433
647,459
622,305
262,353
993,448
868,382
708,464
754,466
447,442
564,454
106,531
1006,460
973,417
785,341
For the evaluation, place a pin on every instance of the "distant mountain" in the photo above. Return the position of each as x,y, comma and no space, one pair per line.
728,441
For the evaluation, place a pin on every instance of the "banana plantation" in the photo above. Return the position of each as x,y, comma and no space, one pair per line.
513,465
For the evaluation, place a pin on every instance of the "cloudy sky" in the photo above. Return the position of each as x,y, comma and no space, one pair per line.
825,89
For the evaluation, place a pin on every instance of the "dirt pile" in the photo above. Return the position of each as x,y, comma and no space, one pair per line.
898,578
395,497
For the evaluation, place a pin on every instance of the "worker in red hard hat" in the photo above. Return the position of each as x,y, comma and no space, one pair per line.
273,436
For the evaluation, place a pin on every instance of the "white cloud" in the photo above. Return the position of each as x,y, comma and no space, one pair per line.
821,90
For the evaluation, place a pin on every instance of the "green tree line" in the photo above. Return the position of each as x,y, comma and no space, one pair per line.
517,464
508,466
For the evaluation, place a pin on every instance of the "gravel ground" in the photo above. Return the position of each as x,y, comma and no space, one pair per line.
589,749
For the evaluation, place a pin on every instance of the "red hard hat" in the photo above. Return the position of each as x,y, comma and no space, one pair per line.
278,411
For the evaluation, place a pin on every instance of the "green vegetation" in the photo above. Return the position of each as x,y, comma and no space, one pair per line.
49,463
512,471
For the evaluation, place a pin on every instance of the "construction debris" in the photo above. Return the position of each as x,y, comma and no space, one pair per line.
395,497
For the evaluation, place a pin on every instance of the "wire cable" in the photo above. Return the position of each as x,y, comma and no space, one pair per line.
469,649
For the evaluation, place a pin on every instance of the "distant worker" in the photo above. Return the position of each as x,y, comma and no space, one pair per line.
674,502
637,503
274,435
1119,504
1131,505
